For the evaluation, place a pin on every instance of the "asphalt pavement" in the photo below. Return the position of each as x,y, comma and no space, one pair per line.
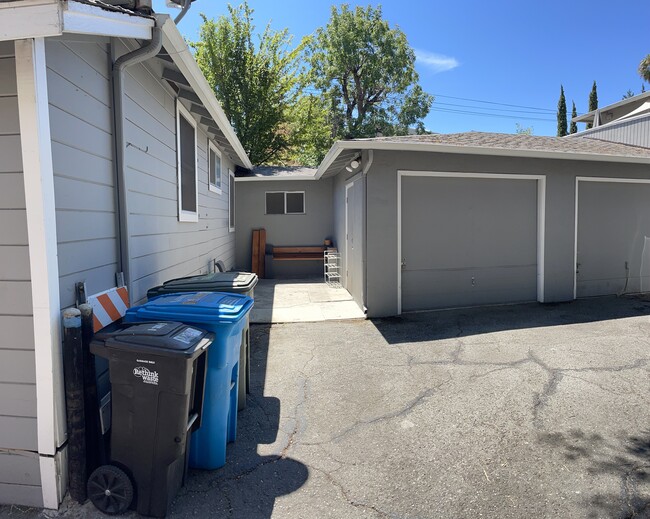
527,411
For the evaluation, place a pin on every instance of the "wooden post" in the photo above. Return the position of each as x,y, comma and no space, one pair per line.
262,257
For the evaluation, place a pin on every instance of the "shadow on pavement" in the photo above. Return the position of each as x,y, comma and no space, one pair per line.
248,485
626,458
446,324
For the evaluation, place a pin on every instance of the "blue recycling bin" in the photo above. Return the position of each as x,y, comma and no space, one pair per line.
225,316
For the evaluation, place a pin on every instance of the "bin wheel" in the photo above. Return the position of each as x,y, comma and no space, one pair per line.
110,490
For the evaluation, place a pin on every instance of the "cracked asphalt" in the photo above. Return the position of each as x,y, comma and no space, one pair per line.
510,412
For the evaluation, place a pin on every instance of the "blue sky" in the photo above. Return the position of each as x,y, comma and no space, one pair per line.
508,52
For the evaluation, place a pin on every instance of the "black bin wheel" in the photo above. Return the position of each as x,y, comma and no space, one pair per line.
110,490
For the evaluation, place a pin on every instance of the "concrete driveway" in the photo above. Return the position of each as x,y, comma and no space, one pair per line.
519,411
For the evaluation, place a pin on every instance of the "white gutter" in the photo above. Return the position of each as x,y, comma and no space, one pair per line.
178,50
339,146
46,18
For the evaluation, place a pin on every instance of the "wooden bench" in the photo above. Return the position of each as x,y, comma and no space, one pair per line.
298,253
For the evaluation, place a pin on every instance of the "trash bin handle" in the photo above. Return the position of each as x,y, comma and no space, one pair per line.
191,421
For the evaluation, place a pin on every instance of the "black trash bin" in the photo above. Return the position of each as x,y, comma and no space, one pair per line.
234,282
157,373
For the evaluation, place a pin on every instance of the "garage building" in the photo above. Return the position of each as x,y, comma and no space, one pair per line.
440,221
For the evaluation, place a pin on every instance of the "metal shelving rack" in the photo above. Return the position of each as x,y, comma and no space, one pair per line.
332,267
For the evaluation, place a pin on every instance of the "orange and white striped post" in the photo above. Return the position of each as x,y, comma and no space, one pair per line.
108,306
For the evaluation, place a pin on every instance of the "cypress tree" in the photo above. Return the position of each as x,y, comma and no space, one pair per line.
561,114
593,101
573,128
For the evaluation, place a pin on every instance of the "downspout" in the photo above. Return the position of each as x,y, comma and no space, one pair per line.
186,7
144,53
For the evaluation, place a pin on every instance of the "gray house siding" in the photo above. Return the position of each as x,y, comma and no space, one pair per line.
310,228
19,465
559,222
634,131
162,247
82,153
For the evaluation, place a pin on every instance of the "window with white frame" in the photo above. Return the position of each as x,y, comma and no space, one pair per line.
214,168
231,201
187,166
285,202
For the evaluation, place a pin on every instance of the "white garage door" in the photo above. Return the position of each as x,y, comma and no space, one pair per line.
613,238
468,241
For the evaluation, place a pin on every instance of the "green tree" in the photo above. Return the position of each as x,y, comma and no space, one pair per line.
593,101
256,82
561,114
573,127
523,130
644,68
366,71
309,131
628,94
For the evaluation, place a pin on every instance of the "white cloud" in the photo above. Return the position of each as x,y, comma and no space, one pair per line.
436,62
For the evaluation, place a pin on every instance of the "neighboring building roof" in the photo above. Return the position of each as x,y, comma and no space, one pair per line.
277,173
480,143
614,111
633,130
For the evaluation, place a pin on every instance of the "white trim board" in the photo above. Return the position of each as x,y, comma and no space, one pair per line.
81,18
575,218
38,177
232,200
20,20
183,215
213,187
541,218
348,186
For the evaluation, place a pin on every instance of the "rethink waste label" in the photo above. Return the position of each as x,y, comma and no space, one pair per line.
147,376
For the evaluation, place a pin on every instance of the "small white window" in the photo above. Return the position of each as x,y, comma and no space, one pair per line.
214,168
188,197
285,202
231,201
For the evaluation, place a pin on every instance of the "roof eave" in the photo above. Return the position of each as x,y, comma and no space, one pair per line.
180,53
339,146
274,178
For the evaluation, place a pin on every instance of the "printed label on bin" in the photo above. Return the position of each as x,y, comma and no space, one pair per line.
156,327
188,335
147,376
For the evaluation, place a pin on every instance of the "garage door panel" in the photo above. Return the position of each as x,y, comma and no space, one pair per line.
459,231
432,289
613,246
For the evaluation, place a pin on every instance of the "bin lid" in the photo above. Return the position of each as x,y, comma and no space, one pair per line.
196,307
161,338
239,282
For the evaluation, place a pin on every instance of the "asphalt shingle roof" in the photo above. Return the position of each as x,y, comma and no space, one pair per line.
279,171
521,142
